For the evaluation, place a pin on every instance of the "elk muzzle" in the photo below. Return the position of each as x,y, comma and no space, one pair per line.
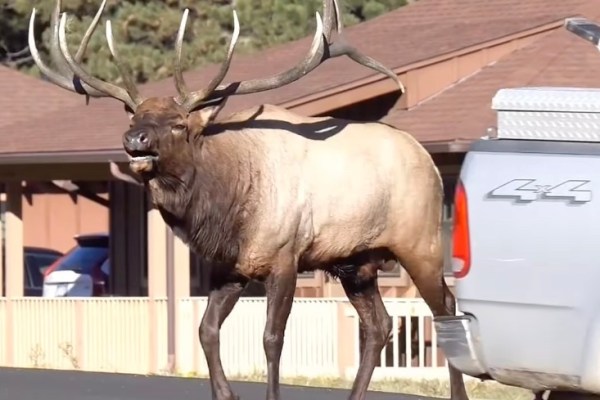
139,145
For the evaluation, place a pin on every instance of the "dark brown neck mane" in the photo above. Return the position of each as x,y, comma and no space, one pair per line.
206,197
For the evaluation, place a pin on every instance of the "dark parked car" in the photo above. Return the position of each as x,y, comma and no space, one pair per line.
83,271
35,262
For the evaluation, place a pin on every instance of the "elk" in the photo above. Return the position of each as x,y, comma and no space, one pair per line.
266,193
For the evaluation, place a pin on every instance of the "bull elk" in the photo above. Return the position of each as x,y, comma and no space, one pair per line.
266,193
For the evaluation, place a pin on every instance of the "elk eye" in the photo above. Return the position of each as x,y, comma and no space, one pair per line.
178,129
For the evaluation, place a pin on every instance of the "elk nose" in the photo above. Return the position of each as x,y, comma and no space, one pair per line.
137,140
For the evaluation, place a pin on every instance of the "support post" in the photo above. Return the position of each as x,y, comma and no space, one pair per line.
2,264
181,257
157,282
14,240
171,305
180,280
157,255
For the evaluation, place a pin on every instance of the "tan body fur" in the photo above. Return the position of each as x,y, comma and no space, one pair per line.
369,185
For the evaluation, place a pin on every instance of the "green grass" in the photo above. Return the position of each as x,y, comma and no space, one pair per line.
476,390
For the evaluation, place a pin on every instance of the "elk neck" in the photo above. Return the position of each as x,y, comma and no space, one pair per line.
207,195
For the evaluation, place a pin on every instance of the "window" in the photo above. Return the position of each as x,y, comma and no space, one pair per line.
36,265
83,259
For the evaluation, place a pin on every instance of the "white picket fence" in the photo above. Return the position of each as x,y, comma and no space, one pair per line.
310,344
130,335
413,350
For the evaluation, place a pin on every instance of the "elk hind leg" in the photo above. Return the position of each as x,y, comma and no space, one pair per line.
281,286
223,296
426,270
363,293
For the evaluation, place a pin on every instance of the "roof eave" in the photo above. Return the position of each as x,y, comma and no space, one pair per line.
119,156
64,157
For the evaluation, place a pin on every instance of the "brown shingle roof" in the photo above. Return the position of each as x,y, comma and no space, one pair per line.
422,30
463,111
24,97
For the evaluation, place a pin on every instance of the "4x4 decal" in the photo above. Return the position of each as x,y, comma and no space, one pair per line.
528,190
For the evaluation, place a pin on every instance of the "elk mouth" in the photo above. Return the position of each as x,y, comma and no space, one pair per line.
137,155
142,161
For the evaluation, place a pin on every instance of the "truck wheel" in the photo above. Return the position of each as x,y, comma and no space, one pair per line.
572,396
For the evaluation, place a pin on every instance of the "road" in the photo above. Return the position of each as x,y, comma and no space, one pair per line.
27,384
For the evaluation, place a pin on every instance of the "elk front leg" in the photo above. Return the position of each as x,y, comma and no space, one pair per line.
221,300
363,293
281,286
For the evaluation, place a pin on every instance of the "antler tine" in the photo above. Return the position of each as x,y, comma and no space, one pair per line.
88,34
130,85
329,19
108,88
63,77
55,55
343,48
195,98
338,17
177,71
310,62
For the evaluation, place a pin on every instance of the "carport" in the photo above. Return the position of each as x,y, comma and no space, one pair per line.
141,247
60,145
89,176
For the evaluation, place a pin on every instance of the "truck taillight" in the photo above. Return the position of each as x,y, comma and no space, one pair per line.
461,252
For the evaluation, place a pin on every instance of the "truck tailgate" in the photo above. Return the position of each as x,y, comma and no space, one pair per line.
534,227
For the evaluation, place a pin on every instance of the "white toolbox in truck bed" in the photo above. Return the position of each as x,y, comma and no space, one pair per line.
548,113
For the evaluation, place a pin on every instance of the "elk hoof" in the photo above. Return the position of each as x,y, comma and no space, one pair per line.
228,396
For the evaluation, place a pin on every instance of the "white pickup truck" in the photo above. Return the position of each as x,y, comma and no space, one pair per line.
526,243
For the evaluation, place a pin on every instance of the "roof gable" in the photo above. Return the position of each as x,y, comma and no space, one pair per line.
463,111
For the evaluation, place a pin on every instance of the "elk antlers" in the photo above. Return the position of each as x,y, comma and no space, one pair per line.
321,49
72,76
64,77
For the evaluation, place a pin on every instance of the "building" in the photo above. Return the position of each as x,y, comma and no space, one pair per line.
452,57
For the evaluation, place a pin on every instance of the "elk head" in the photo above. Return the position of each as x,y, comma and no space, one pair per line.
163,126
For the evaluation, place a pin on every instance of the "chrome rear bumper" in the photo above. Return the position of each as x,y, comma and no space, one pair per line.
458,336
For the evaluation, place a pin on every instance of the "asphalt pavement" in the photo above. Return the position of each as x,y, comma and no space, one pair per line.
38,384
